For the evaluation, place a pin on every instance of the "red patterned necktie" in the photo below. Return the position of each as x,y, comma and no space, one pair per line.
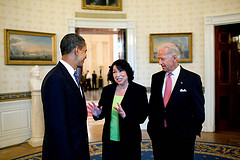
167,93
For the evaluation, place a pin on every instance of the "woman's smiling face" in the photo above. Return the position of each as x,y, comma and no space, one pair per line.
120,75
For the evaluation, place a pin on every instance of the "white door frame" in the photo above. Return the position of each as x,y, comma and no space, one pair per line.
209,48
129,25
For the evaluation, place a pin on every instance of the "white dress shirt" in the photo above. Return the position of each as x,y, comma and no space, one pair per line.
174,77
89,76
71,72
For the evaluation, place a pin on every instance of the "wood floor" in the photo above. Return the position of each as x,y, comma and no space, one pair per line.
95,134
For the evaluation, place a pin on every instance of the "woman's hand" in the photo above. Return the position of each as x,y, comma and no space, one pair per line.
120,110
94,109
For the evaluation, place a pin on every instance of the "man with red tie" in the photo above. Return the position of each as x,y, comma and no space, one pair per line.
176,110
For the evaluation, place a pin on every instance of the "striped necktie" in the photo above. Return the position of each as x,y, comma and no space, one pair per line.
168,89
76,77
167,93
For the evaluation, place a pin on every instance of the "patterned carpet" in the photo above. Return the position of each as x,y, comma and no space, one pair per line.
203,151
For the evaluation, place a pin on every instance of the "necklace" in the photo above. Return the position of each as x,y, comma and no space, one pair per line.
123,87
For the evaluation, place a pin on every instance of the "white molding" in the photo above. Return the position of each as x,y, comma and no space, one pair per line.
209,48
15,129
15,140
129,25
222,19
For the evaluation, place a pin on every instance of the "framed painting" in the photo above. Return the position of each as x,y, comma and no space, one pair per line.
29,48
182,40
113,5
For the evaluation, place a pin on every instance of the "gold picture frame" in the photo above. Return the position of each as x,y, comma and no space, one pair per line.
182,40
29,48
112,5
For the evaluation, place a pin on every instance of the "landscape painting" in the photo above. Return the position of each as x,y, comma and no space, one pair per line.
182,40
23,47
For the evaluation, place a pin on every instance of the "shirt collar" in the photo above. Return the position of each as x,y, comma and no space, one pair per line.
68,67
176,71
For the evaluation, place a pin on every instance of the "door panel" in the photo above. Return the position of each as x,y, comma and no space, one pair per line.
227,78
236,79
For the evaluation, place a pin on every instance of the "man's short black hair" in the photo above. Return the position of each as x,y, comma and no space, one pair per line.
71,41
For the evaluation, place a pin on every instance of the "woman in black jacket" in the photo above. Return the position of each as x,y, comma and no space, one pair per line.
123,104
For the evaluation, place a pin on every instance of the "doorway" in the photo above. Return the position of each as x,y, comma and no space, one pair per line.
104,47
227,77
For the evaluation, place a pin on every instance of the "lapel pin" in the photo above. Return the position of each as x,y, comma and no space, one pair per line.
181,82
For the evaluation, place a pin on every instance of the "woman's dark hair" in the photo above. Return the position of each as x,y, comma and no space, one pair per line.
124,65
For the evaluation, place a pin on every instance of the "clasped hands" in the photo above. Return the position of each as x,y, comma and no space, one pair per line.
96,111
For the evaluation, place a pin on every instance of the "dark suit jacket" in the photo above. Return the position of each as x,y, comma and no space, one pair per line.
184,112
65,117
134,104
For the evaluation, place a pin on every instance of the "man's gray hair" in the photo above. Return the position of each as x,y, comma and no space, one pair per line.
172,49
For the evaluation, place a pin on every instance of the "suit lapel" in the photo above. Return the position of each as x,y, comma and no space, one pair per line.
69,79
111,93
178,85
158,86
83,96
127,95
161,84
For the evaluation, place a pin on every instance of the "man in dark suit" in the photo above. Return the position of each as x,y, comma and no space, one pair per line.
94,80
64,105
176,110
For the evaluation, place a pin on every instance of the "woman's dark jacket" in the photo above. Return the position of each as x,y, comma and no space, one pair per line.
134,103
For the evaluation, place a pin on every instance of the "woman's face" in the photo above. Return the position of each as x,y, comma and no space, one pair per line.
120,76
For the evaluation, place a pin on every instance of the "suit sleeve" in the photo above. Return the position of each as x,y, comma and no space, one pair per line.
150,107
142,110
101,103
55,102
153,112
198,99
